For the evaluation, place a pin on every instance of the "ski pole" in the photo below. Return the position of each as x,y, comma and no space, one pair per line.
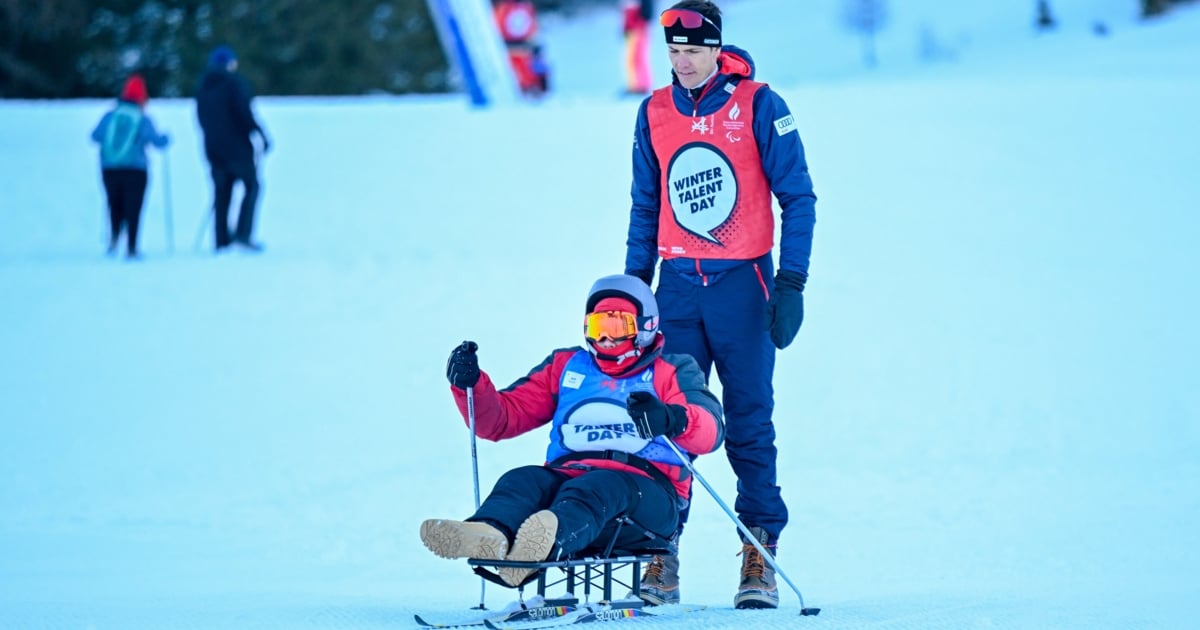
475,477
106,235
168,212
740,525
474,455
203,227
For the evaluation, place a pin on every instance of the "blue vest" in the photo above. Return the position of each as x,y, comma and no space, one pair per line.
121,145
591,413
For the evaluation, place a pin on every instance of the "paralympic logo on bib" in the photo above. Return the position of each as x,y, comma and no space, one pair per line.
703,190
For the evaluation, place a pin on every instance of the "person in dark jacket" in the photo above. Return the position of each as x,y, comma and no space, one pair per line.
123,134
223,107
612,407
709,152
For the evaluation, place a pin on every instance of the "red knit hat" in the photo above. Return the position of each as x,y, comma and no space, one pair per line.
135,90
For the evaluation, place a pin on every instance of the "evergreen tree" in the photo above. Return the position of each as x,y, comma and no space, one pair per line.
85,48
39,44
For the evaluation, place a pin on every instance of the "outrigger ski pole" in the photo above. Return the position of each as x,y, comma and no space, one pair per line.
687,461
475,476
168,211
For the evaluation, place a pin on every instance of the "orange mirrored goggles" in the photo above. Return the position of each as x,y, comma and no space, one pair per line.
687,17
614,325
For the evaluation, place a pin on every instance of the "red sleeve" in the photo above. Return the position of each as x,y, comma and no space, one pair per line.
521,407
679,381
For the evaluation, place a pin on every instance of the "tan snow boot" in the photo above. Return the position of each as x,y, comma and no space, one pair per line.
463,539
757,589
660,581
534,542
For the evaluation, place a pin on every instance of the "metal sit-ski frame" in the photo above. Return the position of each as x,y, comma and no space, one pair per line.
594,569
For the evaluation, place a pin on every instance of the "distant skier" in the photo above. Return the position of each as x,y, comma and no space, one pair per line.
636,15
518,25
123,134
223,107
610,405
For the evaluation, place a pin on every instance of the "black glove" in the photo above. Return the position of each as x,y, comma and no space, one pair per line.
785,309
462,368
645,275
654,417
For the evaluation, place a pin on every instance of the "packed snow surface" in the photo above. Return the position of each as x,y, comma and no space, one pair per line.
989,419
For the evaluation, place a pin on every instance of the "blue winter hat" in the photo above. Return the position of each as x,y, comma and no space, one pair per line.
221,56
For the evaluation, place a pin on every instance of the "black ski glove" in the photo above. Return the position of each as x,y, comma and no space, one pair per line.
785,309
462,368
645,275
654,417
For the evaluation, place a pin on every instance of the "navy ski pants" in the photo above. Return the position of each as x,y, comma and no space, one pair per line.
224,176
126,191
586,506
723,324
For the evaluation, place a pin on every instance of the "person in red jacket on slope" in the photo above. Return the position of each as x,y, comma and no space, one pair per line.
636,15
611,407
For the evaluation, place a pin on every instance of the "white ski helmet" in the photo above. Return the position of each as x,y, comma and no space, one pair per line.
633,289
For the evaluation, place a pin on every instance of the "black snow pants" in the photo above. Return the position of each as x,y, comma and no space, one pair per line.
126,191
224,175
587,506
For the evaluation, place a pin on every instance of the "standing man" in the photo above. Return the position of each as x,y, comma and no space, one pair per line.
708,153
223,107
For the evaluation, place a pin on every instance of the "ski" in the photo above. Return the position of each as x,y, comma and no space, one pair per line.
535,608
593,613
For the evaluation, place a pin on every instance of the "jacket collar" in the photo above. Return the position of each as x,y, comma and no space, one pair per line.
733,65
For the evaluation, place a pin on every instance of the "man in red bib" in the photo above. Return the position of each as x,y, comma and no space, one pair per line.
709,152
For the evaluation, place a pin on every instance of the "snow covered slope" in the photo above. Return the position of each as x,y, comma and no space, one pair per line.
989,419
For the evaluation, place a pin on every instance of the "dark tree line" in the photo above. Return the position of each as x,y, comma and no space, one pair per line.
85,48
1154,8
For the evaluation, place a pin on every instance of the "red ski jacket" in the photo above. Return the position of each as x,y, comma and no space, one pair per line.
533,401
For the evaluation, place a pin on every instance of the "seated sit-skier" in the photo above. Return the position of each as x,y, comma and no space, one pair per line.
611,406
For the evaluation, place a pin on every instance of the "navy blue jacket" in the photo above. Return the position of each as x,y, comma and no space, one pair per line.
223,107
782,161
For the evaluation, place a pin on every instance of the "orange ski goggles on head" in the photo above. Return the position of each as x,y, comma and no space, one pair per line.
686,17
614,325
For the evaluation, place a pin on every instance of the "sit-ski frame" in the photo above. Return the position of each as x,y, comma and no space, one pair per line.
592,573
